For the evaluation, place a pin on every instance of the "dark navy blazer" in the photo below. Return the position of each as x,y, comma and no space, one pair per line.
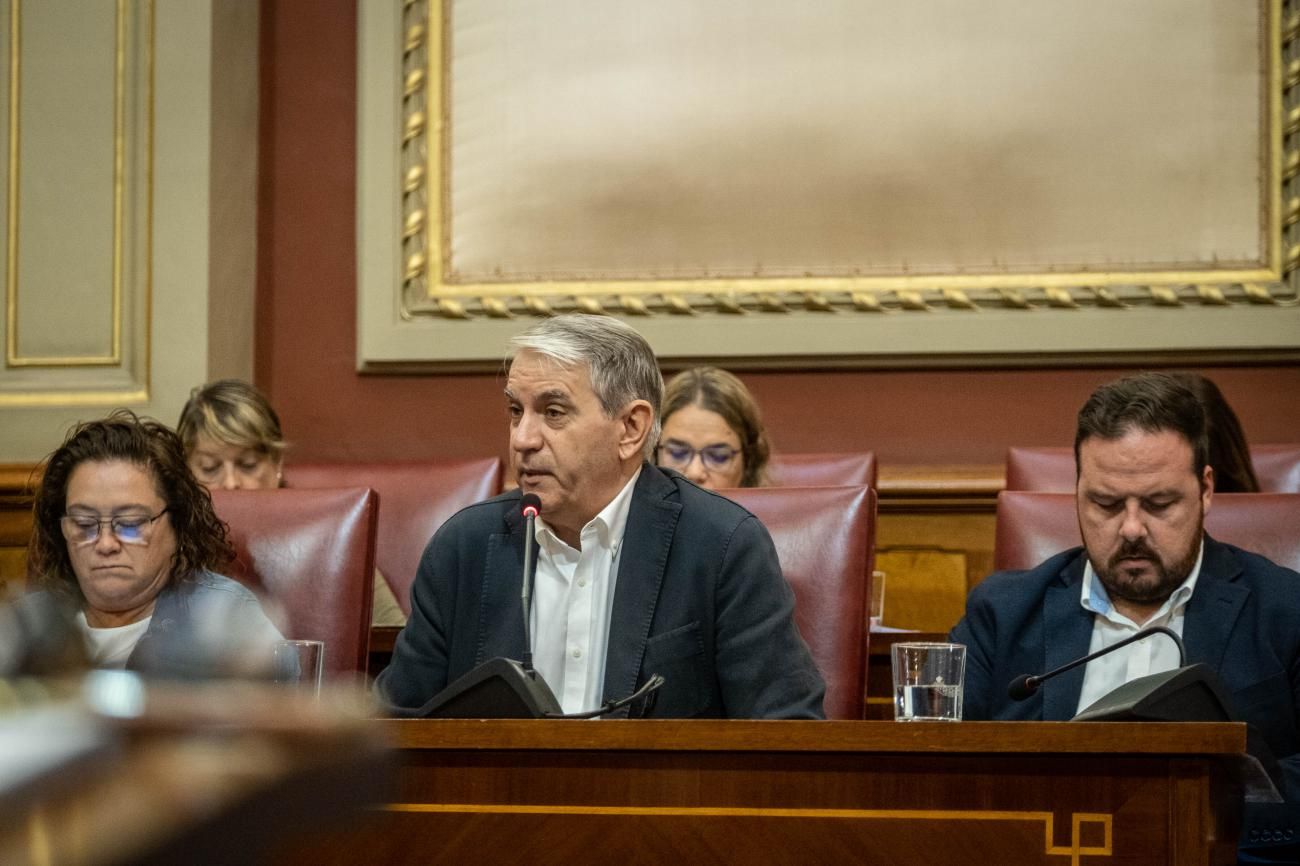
700,599
1243,620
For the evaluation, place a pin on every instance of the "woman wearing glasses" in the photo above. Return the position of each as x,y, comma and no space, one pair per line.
712,430
126,536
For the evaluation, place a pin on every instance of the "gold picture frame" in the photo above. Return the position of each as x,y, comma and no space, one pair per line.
417,311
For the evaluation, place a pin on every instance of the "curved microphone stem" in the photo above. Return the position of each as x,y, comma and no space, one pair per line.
649,686
1024,685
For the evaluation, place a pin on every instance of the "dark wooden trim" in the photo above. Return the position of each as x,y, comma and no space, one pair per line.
1165,738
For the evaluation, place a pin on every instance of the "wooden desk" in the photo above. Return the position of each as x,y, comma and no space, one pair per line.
801,792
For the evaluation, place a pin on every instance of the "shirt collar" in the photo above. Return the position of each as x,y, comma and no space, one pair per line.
1095,599
609,524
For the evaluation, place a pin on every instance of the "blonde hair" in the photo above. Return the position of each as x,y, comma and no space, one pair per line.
233,412
720,392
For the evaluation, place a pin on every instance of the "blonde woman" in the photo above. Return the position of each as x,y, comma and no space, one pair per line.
233,441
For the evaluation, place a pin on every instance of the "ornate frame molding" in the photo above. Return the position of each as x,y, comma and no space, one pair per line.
405,300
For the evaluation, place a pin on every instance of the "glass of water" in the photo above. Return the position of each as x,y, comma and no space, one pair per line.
300,664
928,681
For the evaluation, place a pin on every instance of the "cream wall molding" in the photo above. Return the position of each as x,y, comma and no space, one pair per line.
129,197
46,226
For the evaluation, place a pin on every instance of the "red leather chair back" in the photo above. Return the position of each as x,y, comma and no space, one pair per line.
1277,467
311,553
1046,470
1033,526
415,499
823,470
825,538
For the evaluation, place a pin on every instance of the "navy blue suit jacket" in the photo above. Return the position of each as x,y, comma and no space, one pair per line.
700,599
1243,620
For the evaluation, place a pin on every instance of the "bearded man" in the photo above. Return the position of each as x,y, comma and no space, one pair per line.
1144,488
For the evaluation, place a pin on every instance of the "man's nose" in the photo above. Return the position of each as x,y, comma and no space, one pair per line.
525,434
1133,526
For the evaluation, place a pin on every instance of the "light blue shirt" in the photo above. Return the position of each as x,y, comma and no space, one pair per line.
1109,626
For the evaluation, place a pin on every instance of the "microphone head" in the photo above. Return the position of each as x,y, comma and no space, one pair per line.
531,504
1022,687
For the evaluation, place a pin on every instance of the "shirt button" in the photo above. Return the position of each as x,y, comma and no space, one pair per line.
582,581
577,654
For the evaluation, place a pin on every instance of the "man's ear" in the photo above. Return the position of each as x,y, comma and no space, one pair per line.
1207,488
636,420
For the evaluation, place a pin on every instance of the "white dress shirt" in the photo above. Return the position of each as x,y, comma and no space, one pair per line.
1148,656
573,599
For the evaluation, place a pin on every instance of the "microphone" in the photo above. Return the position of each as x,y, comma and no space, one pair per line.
1025,685
500,688
531,505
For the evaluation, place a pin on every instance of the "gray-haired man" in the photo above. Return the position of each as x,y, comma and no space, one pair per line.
639,571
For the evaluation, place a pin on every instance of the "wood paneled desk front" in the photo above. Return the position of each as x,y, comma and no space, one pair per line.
802,792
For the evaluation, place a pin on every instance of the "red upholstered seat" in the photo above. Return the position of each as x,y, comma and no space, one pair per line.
312,554
823,470
1277,467
415,499
825,539
1048,470
1052,469
1033,526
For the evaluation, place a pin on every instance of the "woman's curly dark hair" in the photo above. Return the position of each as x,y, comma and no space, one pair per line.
201,540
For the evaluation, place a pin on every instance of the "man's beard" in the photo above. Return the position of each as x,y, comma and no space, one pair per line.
1151,588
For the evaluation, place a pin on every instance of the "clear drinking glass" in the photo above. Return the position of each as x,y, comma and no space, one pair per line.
300,663
928,681
877,599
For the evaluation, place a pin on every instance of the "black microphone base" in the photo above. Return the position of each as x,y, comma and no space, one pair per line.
497,689
1190,694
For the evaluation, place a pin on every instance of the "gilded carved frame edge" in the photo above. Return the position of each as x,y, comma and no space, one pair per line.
424,258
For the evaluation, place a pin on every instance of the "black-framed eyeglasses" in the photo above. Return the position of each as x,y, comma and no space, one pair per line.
83,529
679,455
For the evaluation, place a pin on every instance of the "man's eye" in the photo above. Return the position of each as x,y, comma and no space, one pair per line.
554,412
514,411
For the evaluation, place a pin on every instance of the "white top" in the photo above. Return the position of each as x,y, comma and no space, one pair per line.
1148,656
573,599
111,647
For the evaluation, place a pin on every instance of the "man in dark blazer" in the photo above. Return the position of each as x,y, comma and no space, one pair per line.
696,592
1243,621
1144,487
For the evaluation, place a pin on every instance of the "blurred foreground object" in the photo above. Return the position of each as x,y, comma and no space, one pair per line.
136,773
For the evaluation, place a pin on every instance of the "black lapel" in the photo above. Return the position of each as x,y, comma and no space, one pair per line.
501,623
647,539
1214,606
1067,632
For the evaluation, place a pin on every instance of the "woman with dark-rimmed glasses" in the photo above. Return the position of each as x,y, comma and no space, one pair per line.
712,430
127,537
